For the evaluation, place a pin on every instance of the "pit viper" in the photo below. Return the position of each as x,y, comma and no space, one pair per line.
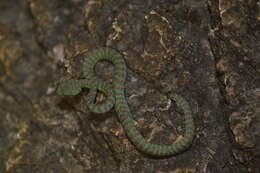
115,96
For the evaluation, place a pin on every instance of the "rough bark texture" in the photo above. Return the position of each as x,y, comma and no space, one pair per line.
208,51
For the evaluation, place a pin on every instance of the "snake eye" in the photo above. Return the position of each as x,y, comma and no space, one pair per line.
69,87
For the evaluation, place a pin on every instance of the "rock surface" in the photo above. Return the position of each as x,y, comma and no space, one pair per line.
207,51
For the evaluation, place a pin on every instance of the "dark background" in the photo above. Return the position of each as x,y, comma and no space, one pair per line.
208,51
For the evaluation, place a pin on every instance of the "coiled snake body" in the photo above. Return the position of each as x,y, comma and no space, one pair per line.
116,96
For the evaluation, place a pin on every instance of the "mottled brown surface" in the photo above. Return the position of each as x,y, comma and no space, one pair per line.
207,51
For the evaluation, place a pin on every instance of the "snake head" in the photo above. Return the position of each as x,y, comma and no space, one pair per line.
69,87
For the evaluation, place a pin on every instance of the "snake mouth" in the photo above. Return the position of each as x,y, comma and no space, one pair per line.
59,90
68,87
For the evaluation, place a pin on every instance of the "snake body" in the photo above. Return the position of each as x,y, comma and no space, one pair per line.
116,96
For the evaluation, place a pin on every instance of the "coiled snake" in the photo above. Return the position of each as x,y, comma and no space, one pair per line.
116,96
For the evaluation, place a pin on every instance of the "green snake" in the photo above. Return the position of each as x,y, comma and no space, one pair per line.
115,96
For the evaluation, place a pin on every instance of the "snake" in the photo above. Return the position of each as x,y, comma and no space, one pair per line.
115,97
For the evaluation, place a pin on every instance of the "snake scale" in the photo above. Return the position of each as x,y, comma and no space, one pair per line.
116,97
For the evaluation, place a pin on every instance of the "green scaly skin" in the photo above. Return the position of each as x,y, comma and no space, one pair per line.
116,96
